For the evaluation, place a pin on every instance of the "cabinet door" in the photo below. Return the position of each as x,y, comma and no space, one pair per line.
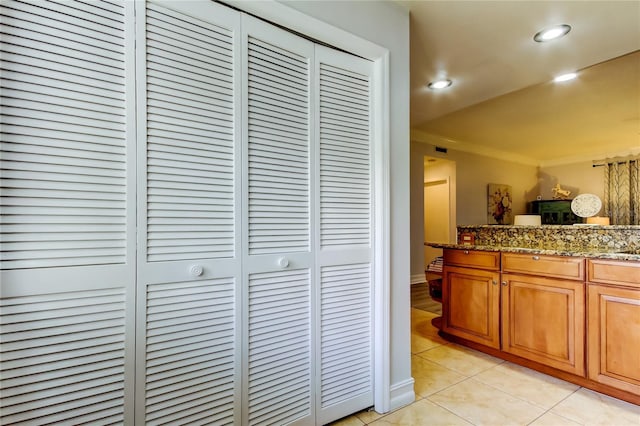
613,334
471,300
543,320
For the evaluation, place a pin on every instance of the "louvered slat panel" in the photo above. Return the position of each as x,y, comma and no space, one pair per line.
346,367
190,141
345,171
190,352
63,358
278,149
279,347
63,134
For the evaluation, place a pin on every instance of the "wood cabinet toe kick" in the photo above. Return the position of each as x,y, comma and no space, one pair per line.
574,318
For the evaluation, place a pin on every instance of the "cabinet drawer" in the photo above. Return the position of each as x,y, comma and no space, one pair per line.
571,268
619,272
472,259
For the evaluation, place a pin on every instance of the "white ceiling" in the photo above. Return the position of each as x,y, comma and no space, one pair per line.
502,103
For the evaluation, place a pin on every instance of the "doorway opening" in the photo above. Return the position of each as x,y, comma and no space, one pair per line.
439,227
439,204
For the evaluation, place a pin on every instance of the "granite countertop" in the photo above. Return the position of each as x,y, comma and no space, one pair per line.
560,227
594,254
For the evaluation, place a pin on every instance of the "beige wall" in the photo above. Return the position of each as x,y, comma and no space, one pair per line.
579,178
473,173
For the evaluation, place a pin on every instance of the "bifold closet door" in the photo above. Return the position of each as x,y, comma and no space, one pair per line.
344,233
189,227
68,212
277,262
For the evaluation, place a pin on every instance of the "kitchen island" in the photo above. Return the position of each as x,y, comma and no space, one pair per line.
559,299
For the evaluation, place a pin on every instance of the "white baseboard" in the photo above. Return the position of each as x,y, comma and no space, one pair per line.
402,394
418,279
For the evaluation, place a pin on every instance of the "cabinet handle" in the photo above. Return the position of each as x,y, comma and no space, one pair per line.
504,283
495,282
283,262
466,252
536,257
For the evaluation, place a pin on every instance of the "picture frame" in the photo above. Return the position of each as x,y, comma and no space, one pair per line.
499,204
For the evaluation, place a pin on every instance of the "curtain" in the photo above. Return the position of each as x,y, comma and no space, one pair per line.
621,192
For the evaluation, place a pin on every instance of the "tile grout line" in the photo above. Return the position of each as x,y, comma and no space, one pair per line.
556,404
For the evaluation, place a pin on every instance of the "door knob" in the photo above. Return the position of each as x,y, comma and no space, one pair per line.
283,262
196,270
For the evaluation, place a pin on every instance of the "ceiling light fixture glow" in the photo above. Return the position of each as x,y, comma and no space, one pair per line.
552,33
440,84
565,77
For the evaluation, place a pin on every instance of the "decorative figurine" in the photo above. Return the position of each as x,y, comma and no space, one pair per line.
559,193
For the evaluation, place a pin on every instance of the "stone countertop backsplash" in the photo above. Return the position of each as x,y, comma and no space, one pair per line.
621,242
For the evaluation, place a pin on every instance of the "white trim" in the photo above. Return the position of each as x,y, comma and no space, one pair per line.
402,394
281,14
381,249
418,279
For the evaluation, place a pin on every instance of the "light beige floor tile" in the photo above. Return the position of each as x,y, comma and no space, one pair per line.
422,343
550,419
367,416
591,408
421,413
348,421
428,330
460,359
421,321
431,377
482,404
524,383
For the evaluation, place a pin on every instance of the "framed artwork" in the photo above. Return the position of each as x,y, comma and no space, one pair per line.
499,202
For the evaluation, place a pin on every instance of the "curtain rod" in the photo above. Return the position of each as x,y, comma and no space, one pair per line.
619,160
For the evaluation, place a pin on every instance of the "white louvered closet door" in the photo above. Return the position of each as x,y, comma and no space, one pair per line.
189,226
344,250
67,230
277,261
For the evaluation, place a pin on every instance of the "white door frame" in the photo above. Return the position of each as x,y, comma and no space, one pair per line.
281,14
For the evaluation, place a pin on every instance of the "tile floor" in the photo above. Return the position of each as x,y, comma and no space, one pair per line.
459,386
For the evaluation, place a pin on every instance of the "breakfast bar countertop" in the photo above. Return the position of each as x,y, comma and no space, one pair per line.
596,253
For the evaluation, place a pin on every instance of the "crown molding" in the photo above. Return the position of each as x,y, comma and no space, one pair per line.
588,158
425,137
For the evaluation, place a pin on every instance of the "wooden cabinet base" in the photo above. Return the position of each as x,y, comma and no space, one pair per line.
578,380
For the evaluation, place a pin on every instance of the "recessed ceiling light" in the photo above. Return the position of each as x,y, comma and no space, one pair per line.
439,84
565,77
552,33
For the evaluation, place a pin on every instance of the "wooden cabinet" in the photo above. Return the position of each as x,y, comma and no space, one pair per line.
543,315
613,324
566,316
571,268
543,320
471,296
